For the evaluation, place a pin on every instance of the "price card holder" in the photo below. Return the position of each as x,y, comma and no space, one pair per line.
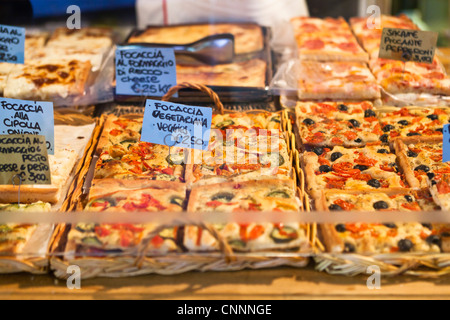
176,125
446,144
145,71
408,45
26,156
28,117
12,44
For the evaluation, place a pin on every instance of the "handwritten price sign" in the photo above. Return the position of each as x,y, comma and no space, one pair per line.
144,71
12,44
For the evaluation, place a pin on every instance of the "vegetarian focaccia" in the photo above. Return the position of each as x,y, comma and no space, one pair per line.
337,124
369,168
413,121
250,73
439,184
13,237
326,40
365,238
248,37
47,80
241,149
129,197
262,195
336,81
124,156
420,157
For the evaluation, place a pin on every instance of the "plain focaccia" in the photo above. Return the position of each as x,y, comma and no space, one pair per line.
419,157
326,40
248,37
250,73
363,238
265,195
13,237
368,168
336,81
413,122
61,165
337,124
124,156
47,80
128,197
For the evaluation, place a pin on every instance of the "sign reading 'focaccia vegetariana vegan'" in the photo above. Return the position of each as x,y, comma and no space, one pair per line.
408,45
28,117
145,71
12,44
176,125
24,155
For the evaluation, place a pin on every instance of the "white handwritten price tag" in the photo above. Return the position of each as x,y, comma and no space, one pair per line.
176,125
145,71
24,155
28,117
12,44
408,45
446,144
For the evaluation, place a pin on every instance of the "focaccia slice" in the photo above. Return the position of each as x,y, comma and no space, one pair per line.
336,81
420,157
265,195
369,168
47,80
371,238
337,124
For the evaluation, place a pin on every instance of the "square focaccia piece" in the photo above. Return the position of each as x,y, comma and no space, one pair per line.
369,168
250,196
371,238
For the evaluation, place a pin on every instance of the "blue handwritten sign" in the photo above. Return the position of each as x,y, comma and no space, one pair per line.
28,117
12,44
446,144
145,71
176,125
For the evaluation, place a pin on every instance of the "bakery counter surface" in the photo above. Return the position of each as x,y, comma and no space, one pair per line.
281,283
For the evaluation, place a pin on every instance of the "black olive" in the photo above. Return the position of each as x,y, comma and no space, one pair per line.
358,140
318,150
309,122
354,123
431,175
325,169
361,167
433,117
440,130
349,248
335,207
379,205
434,239
388,128
433,183
390,225
335,156
374,183
342,107
445,234
395,166
409,198
383,151
423,168
412,154
405,245
413,134
403,122
340,228
384,138
369,114
427,225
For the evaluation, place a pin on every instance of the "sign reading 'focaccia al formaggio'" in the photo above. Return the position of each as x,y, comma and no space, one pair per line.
24,155
408,45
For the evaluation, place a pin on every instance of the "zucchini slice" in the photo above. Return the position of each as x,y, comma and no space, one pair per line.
174,159
92,241
224,124
284,234
85,227
278,194
237,244
274,159
177,200
223,196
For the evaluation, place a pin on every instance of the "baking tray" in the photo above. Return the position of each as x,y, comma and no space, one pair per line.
226,93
